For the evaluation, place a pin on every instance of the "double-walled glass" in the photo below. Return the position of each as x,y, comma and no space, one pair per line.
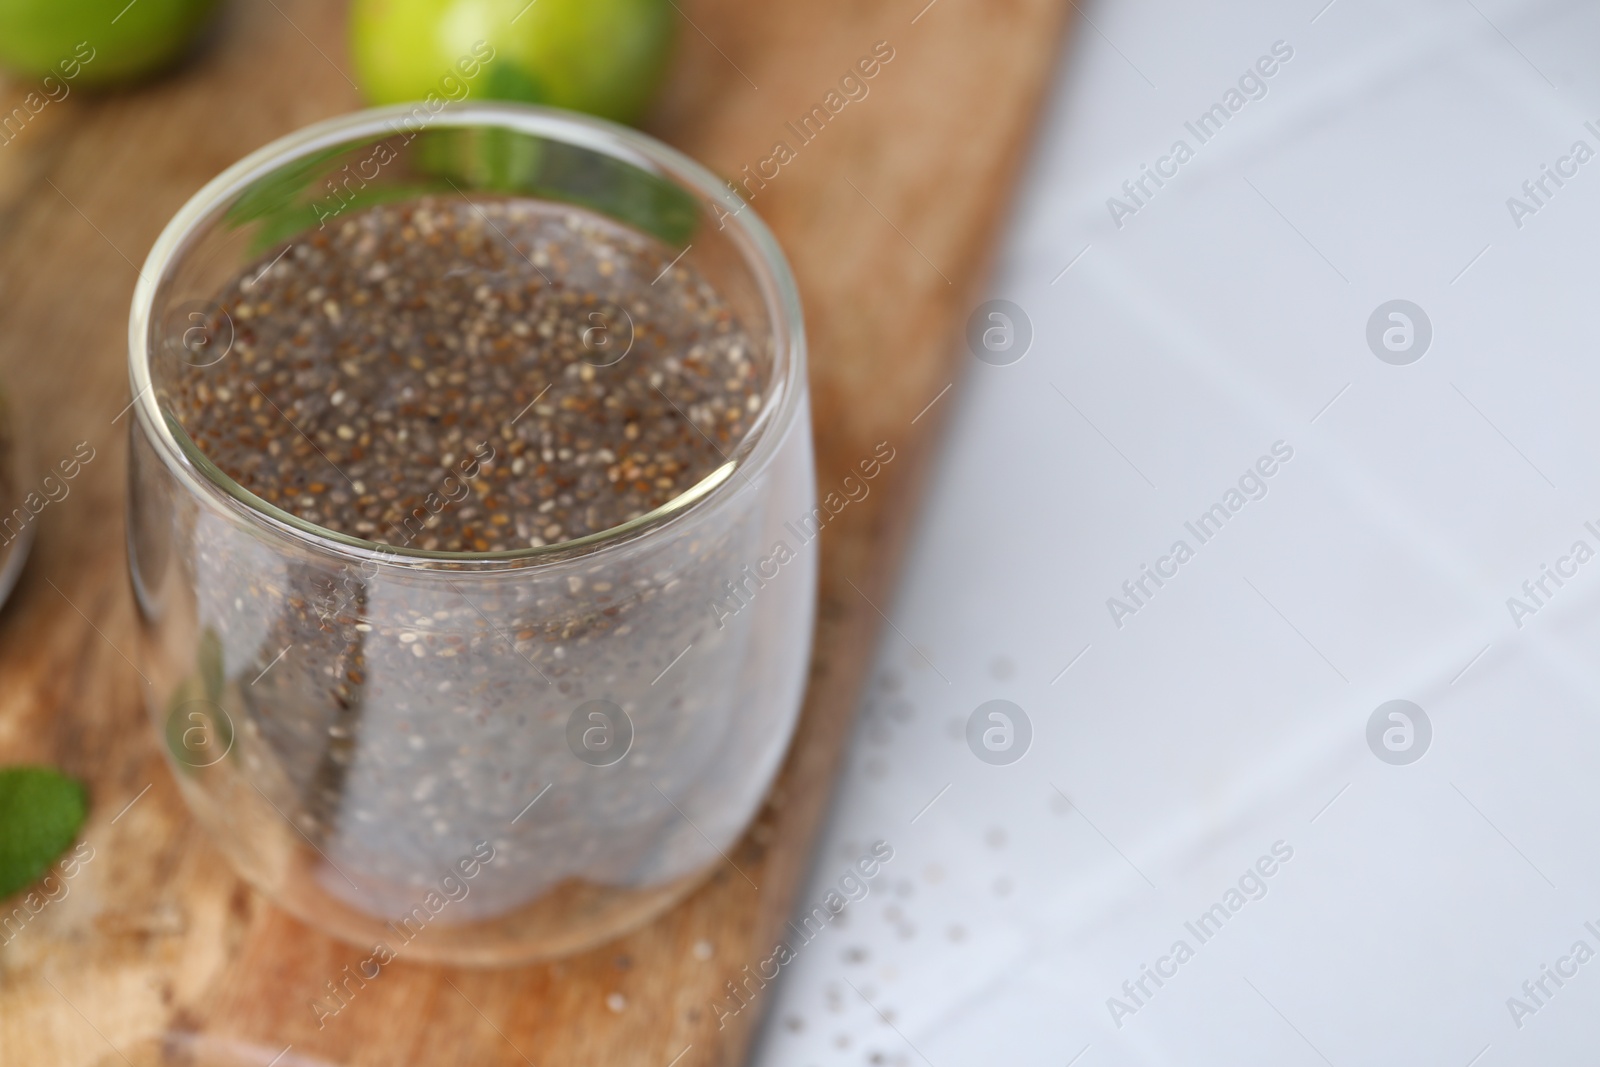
487,757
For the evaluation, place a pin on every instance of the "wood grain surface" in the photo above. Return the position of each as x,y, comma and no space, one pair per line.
887,216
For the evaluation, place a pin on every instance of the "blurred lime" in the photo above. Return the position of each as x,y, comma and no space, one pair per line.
93,42
605,57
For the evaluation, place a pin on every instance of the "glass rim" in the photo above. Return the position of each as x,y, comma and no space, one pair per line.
759,249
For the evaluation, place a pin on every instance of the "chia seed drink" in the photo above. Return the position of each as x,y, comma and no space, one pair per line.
455,484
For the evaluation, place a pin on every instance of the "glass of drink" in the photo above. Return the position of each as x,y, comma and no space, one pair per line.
464,446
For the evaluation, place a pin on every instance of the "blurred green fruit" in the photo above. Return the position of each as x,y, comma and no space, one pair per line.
94,42
605,57
41,812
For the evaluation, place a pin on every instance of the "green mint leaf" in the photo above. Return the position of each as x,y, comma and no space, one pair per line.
41,812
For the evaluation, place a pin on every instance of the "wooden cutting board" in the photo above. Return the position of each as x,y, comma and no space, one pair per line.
887,216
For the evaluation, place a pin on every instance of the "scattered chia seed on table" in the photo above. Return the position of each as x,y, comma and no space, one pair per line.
416,346
482,376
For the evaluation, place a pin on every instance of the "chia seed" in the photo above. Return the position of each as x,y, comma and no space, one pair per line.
472,377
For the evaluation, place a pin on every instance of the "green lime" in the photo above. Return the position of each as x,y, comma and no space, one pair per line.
605,57
94,42
41,812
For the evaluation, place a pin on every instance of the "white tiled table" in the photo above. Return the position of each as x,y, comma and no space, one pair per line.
1230,712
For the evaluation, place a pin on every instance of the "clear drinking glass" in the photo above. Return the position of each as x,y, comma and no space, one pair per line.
20,501
471,757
